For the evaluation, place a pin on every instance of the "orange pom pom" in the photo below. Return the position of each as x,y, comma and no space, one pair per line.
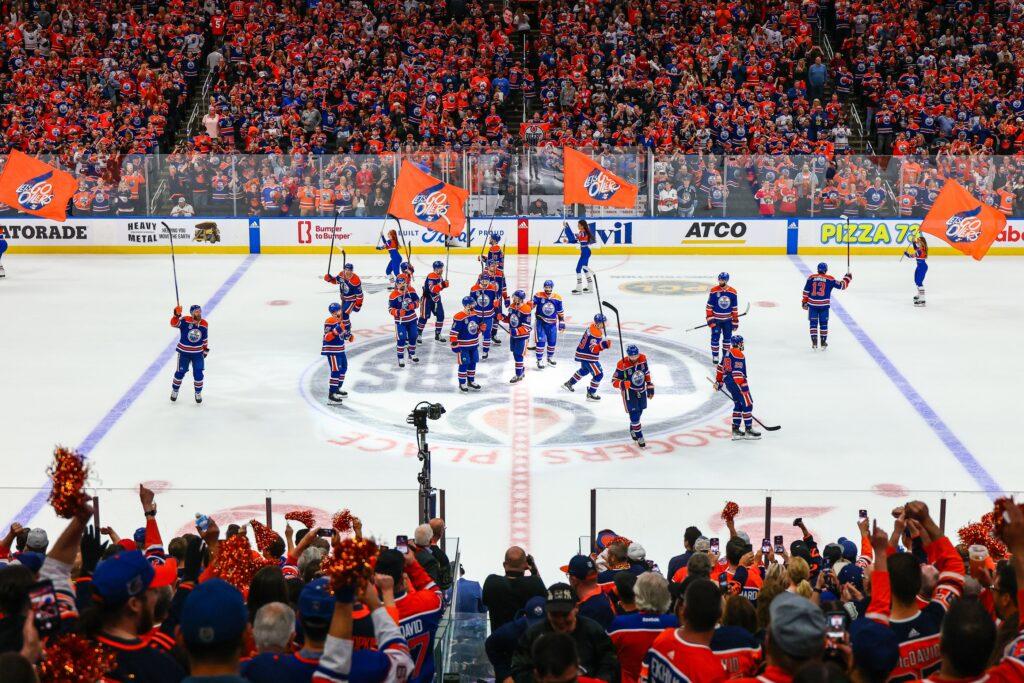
349,561
999,515
71,658
303,517
730,511
264,535
342,521
982,533
68,475
237,563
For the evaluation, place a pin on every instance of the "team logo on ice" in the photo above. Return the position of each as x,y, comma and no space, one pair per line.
964,226
600,186
431,204
35,193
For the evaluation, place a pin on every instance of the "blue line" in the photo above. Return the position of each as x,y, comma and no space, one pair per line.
927,413
108,421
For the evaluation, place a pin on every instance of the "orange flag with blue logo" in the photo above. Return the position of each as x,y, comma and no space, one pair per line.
588,182
32,186
432,203
962,221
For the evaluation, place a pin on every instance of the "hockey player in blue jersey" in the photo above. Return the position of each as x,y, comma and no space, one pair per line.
550,320
403,305
721,315
920,255
817,299
352,295
585,239
193,347
488,304
333,348
518,319
633,378
732,373
3,248
430,301
494,258
464,338
592,343
394,256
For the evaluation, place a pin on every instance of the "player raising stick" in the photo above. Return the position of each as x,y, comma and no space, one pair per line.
193,347
733,373
722,316
351,295
817,299
920,255
633,377
550,321
335,332
465,341
585,239
587,351
394,254
518,319
431,304
403,305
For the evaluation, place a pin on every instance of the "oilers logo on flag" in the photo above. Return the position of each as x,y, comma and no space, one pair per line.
964,226
548,308
600,186
35,193
430,204
473,327
194,335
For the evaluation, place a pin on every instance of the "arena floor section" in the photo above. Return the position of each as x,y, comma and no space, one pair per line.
906,401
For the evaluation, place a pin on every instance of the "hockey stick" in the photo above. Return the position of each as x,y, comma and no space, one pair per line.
533,292
773,428
406,245
600,306
330,257
745,311
174,265
487,240
847,218
622,348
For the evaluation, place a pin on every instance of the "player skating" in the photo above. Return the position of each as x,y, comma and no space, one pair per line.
633,378
403,305
431,304
485,294
585,239
3,248
333,348
732,373
464,338
193,347
920,254
550,320
494,262
351,295
518,319
587,352
722,316
394,255
817,299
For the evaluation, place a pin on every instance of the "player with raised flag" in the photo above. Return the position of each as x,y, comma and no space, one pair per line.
351,295
633,377
518,319
722,316
592,343
732,374
193,347
333,349
430,301
3,248
585,239
394,254
817,299
403,304
920,255
550,320
464,338
486,295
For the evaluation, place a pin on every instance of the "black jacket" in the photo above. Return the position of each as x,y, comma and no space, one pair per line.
594,647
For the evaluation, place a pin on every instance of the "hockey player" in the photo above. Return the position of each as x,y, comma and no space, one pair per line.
817,298
585,239
335,333
733,374
587,351
395,256
494,260
3,248
351,293
633,377
430,301
193,347
403,305
518,319
721,316
485,294
920,254
550,321
464,338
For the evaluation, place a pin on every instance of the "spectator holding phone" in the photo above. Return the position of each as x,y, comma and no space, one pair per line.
505,595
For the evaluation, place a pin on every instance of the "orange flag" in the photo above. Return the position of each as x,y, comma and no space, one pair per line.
587,182
422,198
32,186
964,222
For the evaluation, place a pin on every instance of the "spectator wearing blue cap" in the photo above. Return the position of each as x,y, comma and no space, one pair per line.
214,621
593,602
876,651
501,644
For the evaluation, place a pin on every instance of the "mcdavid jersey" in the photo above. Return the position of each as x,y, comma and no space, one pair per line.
673,660
194,334
334,337
737,650
419,615
634,376
591,344
721,304
486,295
818,289
466,328
432,286
388,663
518,320
548,307
404,305
734,367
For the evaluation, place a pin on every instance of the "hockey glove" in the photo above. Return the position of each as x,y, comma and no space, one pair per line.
206,352
561,327
806,306
327,278
177,311
650,392
711,323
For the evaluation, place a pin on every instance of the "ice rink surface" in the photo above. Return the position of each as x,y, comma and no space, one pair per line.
905,402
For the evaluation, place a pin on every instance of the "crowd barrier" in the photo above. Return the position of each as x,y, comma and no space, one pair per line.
613,235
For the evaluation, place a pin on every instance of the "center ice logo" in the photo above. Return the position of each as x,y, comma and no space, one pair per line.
35,193
964,226
600,186
431,204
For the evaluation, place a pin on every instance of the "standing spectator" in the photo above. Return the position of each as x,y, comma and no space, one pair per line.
437,529
214,622
469,599
273,629
817,76
795,637
593,602
421,539
684,653
632,634
501,644
505,595
182,208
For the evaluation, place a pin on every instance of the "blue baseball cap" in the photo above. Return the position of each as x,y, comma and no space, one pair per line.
851,573
876,648
849,549
125,575
214,613
316,600
33,561
534,609
140,536
581,567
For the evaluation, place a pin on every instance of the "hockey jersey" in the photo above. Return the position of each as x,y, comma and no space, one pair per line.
432,286
390,663
633,376
193,335
819,286
404,305
466,329
591,344
737,650
419,615
721,304
584,237
391,245
351,290
632,635
733,367
674,660
495,256
518,319
486,294
334,337
549,307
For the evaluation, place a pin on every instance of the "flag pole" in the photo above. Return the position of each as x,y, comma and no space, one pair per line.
847,219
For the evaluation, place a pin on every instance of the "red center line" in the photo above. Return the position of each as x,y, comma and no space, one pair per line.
519,427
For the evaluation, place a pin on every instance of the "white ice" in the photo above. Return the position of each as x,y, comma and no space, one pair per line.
79,331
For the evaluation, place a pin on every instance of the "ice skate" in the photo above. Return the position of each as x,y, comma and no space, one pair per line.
473,385
552,361
752,434
569,386
199,397
593,397
517,378
335,397
174,395
737,434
